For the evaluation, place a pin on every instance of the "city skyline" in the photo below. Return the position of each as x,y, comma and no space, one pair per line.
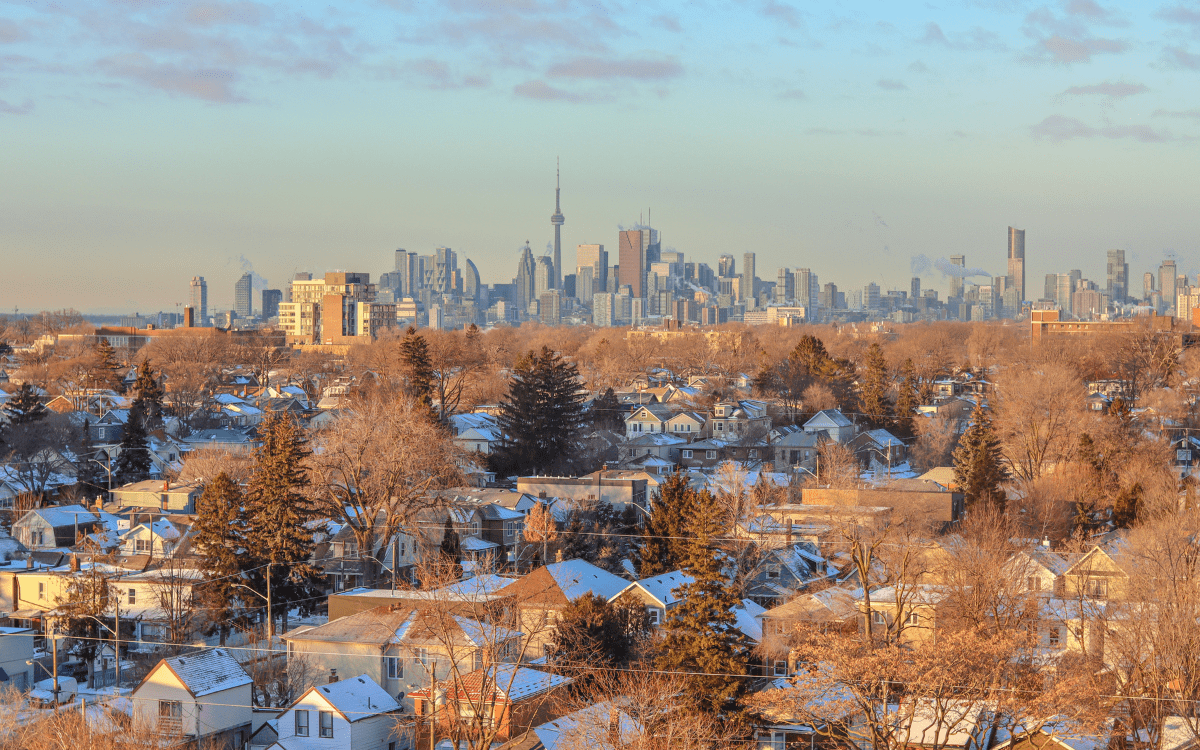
262,138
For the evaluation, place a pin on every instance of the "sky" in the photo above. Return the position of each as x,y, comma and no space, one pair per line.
143,142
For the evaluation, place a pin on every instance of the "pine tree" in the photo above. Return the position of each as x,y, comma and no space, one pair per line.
577,543
872,395
106,373
149,395
908,399
450,552
593,633
977,467
25,407
701,632
277,512
1127,506
217,540
541,419
416,367
664,545
133,461
606,412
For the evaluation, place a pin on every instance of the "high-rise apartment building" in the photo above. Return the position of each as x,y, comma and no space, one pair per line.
243,303
871,296
1167,281
725,266
956,282
631,260
557,219
785,285
748,277
199,299
1147,285
603,309
550,307
270,303
595,259
1118,276
1016,260
914,288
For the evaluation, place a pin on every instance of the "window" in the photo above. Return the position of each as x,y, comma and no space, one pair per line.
710,454
326,718
772,571
350,549
395,667
478,658
1033,583
133,596
720,426
654,615
170,709
142,545
41,590
1097,588
781,668
754,453
100,433
1055,636
687,454
403,548
913,619
878,618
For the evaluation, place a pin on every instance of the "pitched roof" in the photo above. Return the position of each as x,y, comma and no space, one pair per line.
662,587
563,582
65,515
829,416
508,681
207,672
356,698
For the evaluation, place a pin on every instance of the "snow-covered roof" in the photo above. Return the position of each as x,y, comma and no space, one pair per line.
476,421
662,587
589,727
577,577
227,398
482,634
65,515
357,698
521,682
473,544
208,672
748,616
884,438
829,416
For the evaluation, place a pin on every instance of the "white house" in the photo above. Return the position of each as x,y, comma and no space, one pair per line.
659,593
16,648
201,696
158,539
352,714
839,428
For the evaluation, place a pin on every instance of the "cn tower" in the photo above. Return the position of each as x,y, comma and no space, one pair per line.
557,220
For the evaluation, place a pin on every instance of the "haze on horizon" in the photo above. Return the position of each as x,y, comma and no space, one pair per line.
143,142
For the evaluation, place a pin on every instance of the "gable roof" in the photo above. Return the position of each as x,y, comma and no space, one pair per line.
356,698
829,417
559,583
205,672
506,681
662,587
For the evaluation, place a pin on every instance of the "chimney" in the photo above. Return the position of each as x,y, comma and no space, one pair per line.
74,563
1046,542
166,485
29,563
333,676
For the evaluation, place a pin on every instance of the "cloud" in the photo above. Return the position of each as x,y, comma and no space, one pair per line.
670,23
599,67
208,84
976,39
934,35
1092,11
916,66
1068,40
545,92
1180,14
1111,90
783,13
15,109
1189,114
1178,57
11,32
891,84
793,95
224,14
1058,128
435,74
1065,51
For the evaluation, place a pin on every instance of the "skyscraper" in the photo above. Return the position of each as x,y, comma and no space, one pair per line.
748,273
270,302
557,220
243,303
956,282
1118,276
631,261
593,257
199,299
1016,260
785,285
471,285
543,276
914,290
1166,285
1147,285
523,284
725,266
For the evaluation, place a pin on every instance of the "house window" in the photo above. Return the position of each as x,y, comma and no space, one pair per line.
1097,588
133,596
142,545
301,723
754,453
878,618
772,571
720,426
100,433
781,668
710,454
1055,636
403,548
478,658
508,528
326,718
655,618
395,668
41,590
1033,583
913,619
687,454
170,715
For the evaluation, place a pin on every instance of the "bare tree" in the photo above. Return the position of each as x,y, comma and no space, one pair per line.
1039,416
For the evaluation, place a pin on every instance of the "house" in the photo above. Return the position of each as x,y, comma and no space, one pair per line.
503,527
1100,574
660,445
735,420
16,657
405,645
878,448
798,448
658,593
704,454
783,571
350,714
908,613
476,432
688,424
648,418
55,526
616,488
203,696
516,698
158,539
543,593
160,495
945,724
602,726
832,422
110,427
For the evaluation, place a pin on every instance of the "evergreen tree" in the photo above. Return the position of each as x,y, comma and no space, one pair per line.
907,400
977,467
1127,506
701,632
217,540
149,394
542,417
577,543
107,371
450,551
25,407
416,367
873,403
606,412
89,473
277,513
664,545
133,461
592,633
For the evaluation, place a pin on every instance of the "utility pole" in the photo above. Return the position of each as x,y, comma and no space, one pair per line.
117,646
270,616
54,657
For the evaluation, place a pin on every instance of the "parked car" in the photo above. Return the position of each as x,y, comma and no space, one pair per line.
42,695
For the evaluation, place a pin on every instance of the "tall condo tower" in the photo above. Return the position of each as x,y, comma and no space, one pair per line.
1016,261
557,220
956,281
199,299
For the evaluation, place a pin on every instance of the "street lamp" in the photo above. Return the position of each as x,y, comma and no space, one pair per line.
267,598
